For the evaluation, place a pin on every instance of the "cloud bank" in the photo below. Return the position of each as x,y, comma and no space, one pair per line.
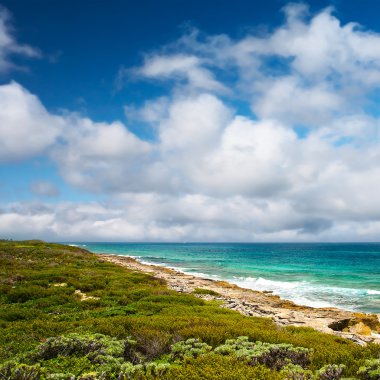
301,163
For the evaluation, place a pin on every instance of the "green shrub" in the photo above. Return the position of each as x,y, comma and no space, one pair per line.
131,353
60,376
152,343
274,356
330,372
26,293
203,291
18,314
370,371
157,369
74,365
16,371
217,367
295,372
189,348
130,371
95,346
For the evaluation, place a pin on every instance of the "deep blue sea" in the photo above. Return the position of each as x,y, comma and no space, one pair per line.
318,274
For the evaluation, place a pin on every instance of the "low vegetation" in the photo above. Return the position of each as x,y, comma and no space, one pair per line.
66,314
204,292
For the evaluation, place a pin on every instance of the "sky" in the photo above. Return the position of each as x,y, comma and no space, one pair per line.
181,121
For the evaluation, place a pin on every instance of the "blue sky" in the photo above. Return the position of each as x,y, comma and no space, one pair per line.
85,43
189,120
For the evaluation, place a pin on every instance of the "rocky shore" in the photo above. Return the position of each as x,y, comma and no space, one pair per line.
358,327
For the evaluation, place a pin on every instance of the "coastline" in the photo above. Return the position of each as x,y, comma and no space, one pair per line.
358,327
319,275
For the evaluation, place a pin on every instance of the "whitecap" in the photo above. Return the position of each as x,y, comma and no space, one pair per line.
261,283
373,292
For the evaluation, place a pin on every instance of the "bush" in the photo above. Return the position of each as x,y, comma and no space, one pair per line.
295,372
152,343
92,376
71,366
95,346
15,371
217,367
157,369
60,376
25,293
129,371
189,348
274,356
370,371
331,372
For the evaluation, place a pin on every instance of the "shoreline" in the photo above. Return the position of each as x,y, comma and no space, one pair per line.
359,327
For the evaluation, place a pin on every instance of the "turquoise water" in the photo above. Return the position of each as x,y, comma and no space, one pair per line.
341,275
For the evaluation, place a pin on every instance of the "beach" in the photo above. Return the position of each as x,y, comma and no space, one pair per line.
324,275
359,327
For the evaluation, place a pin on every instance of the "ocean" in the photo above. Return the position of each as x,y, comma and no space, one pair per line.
345,275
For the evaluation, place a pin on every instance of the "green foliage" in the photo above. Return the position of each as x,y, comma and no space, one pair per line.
73,366
274,356
130,371
95,346
217,367
16,371
189,348
157,369
37,301
91,376
330,372
203,291
296,372
370,371
129,352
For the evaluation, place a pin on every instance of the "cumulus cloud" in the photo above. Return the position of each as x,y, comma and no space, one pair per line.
151,112
252,159
100,156
292,102
194,124
26,127
213,172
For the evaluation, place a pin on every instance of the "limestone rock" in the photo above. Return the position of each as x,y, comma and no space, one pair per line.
361,329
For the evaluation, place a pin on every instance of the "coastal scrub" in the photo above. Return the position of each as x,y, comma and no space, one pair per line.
130,325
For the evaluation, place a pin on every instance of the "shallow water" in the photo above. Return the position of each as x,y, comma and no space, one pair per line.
319,274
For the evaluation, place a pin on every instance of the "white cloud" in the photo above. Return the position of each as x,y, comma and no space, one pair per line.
151,112
153,217
26,128
253,159
213,173
286,99
180,67
100,156
8,44
194,124
316,47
